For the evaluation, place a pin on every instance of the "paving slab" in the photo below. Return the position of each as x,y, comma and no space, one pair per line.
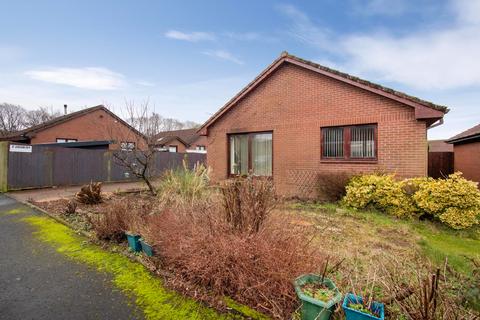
49,194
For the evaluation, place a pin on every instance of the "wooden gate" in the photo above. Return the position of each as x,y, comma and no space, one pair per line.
440,164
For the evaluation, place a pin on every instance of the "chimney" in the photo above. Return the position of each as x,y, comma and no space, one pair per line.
65,109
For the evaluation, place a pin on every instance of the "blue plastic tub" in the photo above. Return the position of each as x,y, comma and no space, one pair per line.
353,314
134,242
147,249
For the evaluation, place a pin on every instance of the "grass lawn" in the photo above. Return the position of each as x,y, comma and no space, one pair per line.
374,233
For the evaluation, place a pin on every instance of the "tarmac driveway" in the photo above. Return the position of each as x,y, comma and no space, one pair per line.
36,282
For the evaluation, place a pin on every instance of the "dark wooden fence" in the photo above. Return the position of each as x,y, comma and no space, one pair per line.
54,166
440,164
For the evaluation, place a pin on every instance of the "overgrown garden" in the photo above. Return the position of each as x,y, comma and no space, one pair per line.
385,241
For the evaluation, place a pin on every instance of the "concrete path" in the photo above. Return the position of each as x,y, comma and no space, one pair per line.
36,282
48,194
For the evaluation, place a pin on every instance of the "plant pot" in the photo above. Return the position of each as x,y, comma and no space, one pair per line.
313,308
146,248
134,242
352,314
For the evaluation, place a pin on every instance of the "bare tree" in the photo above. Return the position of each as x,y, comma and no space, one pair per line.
39,116
11,118
136,148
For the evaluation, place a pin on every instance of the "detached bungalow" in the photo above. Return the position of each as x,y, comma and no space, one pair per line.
93,128
298,119
466,149
186,140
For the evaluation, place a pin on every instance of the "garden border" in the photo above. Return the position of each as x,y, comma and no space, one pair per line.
235,307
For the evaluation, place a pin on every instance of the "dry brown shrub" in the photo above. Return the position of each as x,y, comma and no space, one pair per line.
331,186
119,217
90,193
247,202
70,208
426,292
256,269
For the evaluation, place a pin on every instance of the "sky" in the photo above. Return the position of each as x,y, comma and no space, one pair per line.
188,58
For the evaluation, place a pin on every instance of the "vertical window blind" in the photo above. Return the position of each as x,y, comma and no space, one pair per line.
333,143
349,142
262,154
251,152
239,154
362,143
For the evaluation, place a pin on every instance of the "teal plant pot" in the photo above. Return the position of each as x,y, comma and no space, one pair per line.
353,314
146,248
313,309
134,242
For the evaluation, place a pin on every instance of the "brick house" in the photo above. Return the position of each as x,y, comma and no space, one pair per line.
186,140
297,119
95,127
466,149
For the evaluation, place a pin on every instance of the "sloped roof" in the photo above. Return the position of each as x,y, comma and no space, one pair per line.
186,136
285,57
28,132
471,133
439,146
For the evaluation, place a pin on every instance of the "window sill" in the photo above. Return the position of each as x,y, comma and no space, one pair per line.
354,161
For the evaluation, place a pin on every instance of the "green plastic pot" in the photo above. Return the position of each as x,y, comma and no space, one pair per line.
134,241
313,309
146,248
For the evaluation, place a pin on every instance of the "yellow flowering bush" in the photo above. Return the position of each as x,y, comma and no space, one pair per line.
380,191
455,200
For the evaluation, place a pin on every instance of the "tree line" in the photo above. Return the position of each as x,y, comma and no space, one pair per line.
14,118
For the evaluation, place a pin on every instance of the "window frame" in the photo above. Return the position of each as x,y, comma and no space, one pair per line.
173,146
66,140
127,143
347,139
250,135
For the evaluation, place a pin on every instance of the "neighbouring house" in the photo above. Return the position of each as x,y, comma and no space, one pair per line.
186,140
298,119
95,127
440,158
466,149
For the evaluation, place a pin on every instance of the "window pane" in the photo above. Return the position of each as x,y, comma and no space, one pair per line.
262,154
239,154
362,142
333,142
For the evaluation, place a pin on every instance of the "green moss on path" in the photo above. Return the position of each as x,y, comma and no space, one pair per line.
15,211
156,301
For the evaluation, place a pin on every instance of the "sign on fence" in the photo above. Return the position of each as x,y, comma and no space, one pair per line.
20,148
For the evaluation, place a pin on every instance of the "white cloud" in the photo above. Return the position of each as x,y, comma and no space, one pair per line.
437,58
195,36
380,7
224,55
305,30
145,83
84,78
467,11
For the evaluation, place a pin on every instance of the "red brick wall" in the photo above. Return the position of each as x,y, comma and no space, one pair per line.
180,146
96,125
467,160
295,103
201,141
